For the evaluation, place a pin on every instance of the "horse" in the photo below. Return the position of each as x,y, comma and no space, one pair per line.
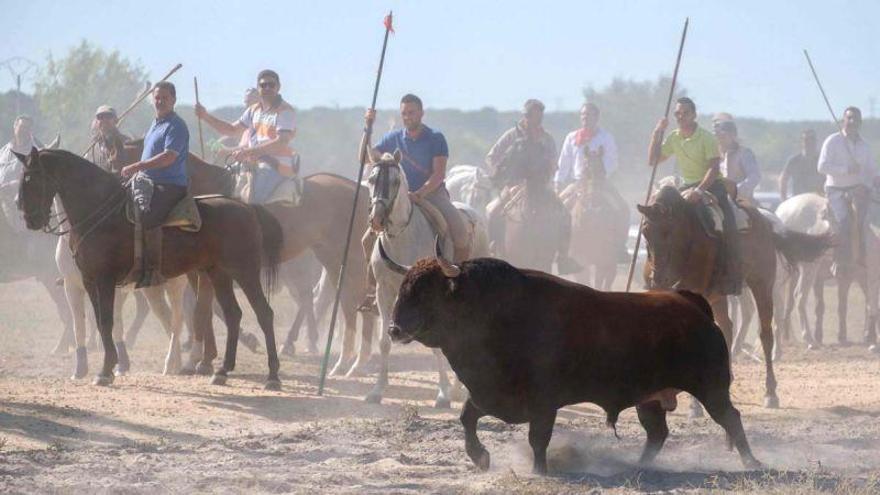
599,227
406,234
470,185
682,255
234,242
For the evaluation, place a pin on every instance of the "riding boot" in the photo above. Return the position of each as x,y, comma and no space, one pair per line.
152,259
565,264
135,274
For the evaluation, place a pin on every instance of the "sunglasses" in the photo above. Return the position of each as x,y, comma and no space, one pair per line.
268,84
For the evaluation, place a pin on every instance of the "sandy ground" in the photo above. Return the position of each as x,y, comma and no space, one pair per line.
153,434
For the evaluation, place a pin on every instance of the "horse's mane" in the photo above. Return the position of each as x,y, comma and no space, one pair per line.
71,156
668,195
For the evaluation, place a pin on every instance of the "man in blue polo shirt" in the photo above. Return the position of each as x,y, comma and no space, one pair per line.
160,179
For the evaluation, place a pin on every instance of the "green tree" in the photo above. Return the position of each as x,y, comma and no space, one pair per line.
69,89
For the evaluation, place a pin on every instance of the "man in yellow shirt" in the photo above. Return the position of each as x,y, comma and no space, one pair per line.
696,152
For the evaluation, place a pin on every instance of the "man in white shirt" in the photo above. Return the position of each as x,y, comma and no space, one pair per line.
850,171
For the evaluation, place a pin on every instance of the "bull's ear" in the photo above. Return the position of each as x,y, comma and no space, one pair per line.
21,158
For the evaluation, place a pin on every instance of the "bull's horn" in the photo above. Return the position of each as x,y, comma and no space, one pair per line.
393,265
55,143
449,269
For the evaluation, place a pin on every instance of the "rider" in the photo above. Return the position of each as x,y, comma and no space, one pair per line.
738,163
538,160
271,127
696,152
109,149
849,167
801,169
160,178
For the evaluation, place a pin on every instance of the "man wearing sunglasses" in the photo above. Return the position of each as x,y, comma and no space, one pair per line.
696,153
109,150
270,124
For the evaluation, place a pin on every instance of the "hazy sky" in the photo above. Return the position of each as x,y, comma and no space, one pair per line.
744,57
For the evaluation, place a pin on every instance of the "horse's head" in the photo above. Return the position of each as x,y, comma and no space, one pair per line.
523,162
36,191
388,188
665,227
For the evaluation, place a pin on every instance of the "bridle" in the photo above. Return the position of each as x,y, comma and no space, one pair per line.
382,196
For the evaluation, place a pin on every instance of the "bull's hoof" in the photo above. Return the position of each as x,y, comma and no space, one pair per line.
372,398
753,464
287,350
482,461
771,402
250,341
442,403
204,368
103,381
274,385
218,379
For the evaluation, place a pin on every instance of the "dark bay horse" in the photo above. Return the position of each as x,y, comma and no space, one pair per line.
682,255
102,242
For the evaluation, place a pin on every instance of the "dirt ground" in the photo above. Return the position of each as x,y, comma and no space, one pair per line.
154,434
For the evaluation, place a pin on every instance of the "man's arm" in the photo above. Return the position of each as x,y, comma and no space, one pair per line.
827,160
712,174
233,129
438,175
752,172
499,150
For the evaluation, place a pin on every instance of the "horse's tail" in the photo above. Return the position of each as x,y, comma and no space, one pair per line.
798,247
273,239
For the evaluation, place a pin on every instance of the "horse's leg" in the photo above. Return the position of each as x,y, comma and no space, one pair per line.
225,295
288,348
253,290
365,350
442,401
102,292
385,298
346,354
777,320
156,298
868,337
806,281
763,292
175,289
205,349
819,294
58,298
746,309
141,310
76,302
124,364
312,327
844,281
788,288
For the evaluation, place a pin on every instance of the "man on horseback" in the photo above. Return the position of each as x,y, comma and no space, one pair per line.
109,149
801,169
738,163
527,153
590,154
159,181
849,168
271,127
696,153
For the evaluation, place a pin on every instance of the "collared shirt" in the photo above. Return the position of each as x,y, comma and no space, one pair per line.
835,160
109,151
572,158
264,124
504,144
168,133
417,155
804,174
691,153
740,165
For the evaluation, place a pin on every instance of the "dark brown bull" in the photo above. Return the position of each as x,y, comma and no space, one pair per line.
526,343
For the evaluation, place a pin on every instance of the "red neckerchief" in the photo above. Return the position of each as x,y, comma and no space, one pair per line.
584,136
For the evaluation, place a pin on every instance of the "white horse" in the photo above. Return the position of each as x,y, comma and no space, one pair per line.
470,185
406,234
171,319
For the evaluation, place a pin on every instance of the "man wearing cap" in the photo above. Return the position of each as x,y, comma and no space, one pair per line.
850,170
738,163
696,152
527,152
159,180
270,126
801,169
109,149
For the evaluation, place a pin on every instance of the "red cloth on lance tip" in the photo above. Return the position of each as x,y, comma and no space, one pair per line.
388,24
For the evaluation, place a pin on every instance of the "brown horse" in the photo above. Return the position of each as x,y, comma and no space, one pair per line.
318,223
102,241
682,255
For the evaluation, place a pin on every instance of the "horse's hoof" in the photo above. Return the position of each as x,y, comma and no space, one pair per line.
771,402
483,462
124,364
442,403
274,385
204,368
82,364
874,349
287,350
753,464
218,379
250,341
337,369
372,398
103,381
188,370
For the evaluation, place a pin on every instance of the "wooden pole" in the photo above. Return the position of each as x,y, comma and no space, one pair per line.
368,131
135,103
201,139
653,159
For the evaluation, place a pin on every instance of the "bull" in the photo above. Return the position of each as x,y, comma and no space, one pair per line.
526,343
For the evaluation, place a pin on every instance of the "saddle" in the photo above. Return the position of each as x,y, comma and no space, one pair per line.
712,217
184,216
438,223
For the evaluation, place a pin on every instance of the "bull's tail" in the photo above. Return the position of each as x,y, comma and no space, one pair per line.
273,239
699,301
797,247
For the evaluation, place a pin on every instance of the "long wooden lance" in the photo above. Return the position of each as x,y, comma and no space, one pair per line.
653,160
368,131
137,100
